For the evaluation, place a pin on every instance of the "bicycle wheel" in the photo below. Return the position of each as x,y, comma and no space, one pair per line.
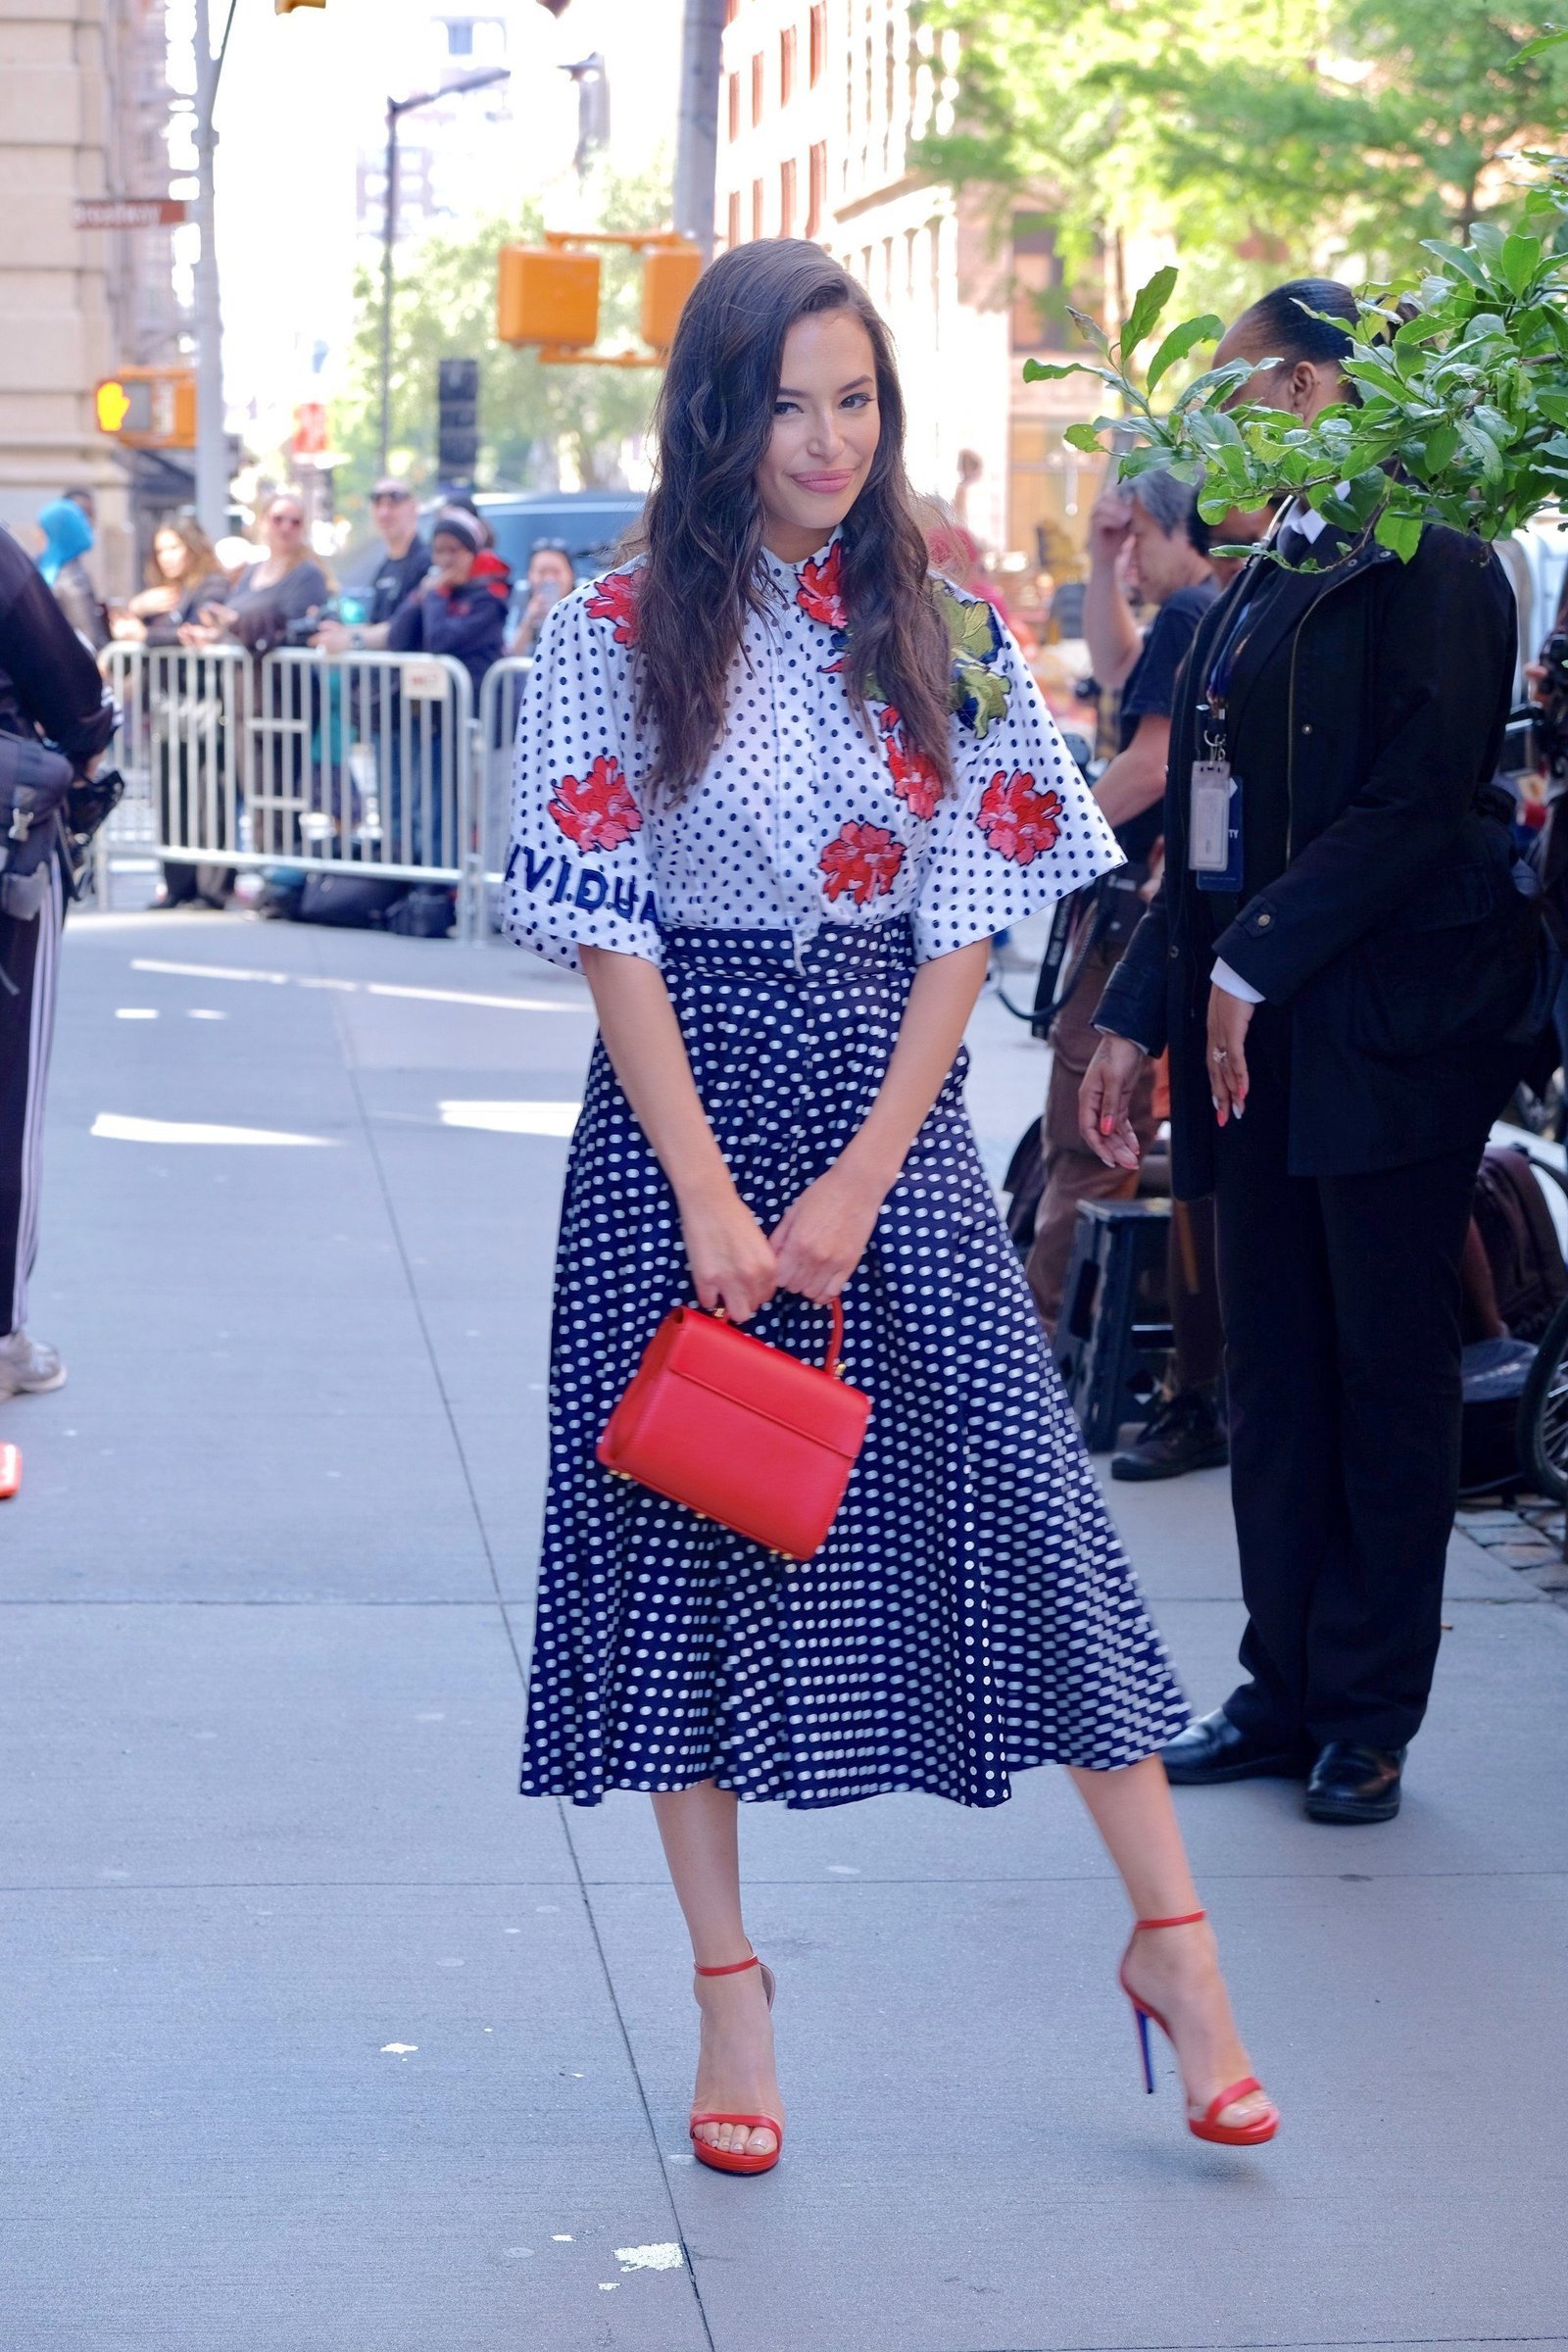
1543,1411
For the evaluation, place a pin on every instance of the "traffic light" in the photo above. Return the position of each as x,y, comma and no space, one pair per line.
286,8
148,408
457,420
669,272
550,297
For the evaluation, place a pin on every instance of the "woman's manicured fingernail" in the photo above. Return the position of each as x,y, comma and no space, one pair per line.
1106,1125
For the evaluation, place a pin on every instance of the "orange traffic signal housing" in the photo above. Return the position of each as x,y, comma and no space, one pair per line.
669,272
549,297
148,408
286,8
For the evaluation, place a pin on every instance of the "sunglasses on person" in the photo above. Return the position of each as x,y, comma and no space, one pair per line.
391,498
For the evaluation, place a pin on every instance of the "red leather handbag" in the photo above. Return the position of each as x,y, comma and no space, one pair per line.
740,1432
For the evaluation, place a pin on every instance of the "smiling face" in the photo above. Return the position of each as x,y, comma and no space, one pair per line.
826,425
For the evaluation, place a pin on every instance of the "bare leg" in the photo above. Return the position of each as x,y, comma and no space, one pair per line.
1177,1971
735,2070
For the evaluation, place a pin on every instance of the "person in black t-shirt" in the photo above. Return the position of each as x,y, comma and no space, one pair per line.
402,569
1157,532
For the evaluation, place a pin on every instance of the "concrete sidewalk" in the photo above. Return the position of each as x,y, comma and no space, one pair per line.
316,2039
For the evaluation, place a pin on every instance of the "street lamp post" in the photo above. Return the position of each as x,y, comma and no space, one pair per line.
396,108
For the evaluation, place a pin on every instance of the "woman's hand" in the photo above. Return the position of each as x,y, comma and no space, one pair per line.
731,1260
1228,1020
1103,1098
822,1236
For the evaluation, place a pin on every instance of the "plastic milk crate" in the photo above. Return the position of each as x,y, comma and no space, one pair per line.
1114,1336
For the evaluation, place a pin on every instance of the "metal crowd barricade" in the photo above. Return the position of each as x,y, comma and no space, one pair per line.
500,699
185,716
299,759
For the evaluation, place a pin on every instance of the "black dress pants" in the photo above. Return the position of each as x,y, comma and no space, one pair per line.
1341,1297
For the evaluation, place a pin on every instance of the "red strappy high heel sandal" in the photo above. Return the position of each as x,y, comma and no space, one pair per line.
736,2160
1206,2125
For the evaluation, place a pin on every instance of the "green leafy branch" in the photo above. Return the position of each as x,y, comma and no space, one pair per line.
1461,413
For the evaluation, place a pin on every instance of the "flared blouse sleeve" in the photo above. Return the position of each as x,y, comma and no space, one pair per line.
1020,828
578,872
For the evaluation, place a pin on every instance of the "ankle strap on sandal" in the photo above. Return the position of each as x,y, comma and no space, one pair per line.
733,1969
1188,1919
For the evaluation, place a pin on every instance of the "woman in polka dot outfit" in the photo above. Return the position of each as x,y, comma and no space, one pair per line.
777,792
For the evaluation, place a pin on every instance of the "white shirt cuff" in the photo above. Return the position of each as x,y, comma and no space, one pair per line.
1233,984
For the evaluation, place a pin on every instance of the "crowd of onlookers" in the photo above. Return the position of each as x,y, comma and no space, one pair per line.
441,590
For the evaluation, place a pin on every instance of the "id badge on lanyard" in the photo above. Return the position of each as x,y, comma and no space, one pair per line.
1214,809
1215,823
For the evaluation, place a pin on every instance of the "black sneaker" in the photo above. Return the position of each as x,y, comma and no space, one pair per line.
1183,1433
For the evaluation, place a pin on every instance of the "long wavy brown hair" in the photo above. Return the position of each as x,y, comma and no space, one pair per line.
702,532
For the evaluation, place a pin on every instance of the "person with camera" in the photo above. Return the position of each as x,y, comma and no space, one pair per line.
55,723
552,574
273,598
1343,967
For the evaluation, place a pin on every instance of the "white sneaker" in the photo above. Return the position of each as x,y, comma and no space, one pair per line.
28,1367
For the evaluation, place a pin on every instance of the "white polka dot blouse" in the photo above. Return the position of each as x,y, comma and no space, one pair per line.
803,817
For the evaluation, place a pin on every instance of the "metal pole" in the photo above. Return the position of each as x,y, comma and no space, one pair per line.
697,149
389,232
211,445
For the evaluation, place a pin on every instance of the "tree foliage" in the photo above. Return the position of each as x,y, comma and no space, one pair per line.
531,415
1266,137
1461,413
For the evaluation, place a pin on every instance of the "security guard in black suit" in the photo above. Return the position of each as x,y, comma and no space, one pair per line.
1344,965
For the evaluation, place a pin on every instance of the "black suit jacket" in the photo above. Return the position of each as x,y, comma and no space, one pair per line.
1395,934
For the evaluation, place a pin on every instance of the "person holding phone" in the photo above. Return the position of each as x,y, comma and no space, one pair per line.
777,789
551,576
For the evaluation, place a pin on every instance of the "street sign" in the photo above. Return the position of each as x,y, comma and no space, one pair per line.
129,212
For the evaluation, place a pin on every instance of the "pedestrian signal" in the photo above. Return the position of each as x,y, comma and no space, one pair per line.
669,272
148,408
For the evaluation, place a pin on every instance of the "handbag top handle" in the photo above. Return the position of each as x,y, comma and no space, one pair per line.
833,1362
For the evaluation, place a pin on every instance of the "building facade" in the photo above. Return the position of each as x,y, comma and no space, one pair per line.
821,101
83,112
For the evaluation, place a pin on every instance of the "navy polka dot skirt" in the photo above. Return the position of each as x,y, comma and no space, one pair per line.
972,1612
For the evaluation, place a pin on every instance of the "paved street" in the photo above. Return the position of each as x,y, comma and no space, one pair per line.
316,2039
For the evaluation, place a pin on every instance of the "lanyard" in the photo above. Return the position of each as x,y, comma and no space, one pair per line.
1222,665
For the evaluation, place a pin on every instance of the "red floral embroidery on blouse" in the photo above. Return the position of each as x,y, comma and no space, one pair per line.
914,779
597,810
1017,820
820,593
860,863
614,598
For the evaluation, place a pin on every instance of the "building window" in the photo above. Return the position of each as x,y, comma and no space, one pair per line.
756,87
733,224
756,208
786,64
817,41
786,199
816,199
1041,292
732,91
460,37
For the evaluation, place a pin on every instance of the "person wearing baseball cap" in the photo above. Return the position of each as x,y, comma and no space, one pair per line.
396,515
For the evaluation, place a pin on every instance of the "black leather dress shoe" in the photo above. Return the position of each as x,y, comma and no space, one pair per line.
1213,1749
1352,1783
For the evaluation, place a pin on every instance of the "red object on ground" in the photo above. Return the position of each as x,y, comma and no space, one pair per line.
10,1470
